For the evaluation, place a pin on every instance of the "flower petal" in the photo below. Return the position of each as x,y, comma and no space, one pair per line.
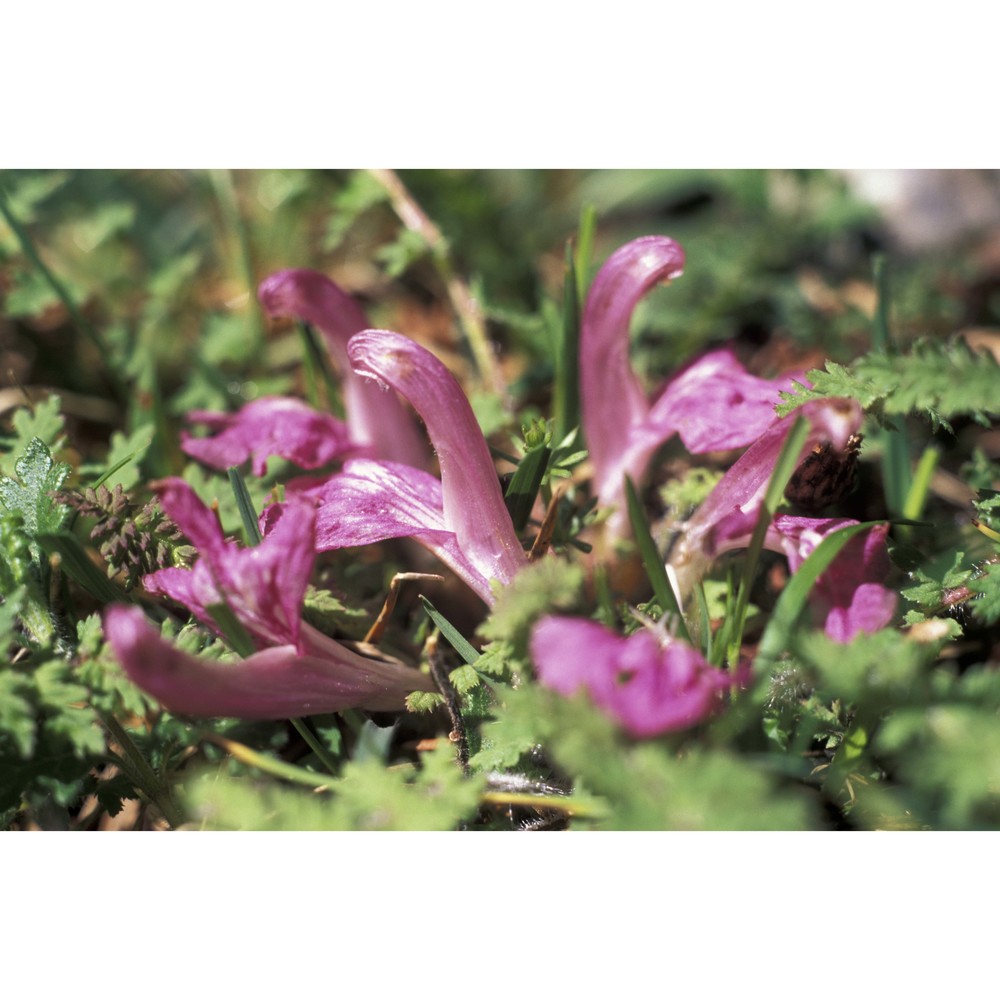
849,597
470,489
715,404
376,419
727,517
270,426
371,501
263,586
649,688
277,683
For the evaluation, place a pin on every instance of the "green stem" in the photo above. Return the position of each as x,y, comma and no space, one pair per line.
545,803
314,744
265,763
584,250
653,562
145,778
251,529
916,497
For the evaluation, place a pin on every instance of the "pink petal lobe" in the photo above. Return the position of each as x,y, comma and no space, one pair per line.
287,428
850,597
376,419
648,687
263,586
472,501
731,510
715,404
371,501
277,683
183,507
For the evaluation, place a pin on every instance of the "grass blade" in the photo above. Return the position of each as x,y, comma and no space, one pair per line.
653,561
795,596
462,646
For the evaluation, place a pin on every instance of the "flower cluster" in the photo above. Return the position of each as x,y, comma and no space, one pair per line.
650,682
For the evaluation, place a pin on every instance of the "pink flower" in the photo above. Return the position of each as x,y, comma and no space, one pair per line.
713,404
377,425
297,670
376,420
651,683
462,516
848,598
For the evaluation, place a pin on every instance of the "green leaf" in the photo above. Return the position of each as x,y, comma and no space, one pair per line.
653,561
942,379
17,712
43,421
465,678
423,701
368,796
69,717
881,668
524,484
328,613
459,643
549,585
30,498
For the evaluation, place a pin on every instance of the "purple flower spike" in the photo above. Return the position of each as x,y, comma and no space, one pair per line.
714,404
471,501
649,683
376,420
277,683
270,426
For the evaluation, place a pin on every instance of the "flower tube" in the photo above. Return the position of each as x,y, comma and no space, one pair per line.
276,683
376,420
461,517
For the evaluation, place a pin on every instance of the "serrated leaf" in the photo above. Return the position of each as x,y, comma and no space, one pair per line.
367,797
423,701
941,379
17,712
40,477
548,585
464,678
331,615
